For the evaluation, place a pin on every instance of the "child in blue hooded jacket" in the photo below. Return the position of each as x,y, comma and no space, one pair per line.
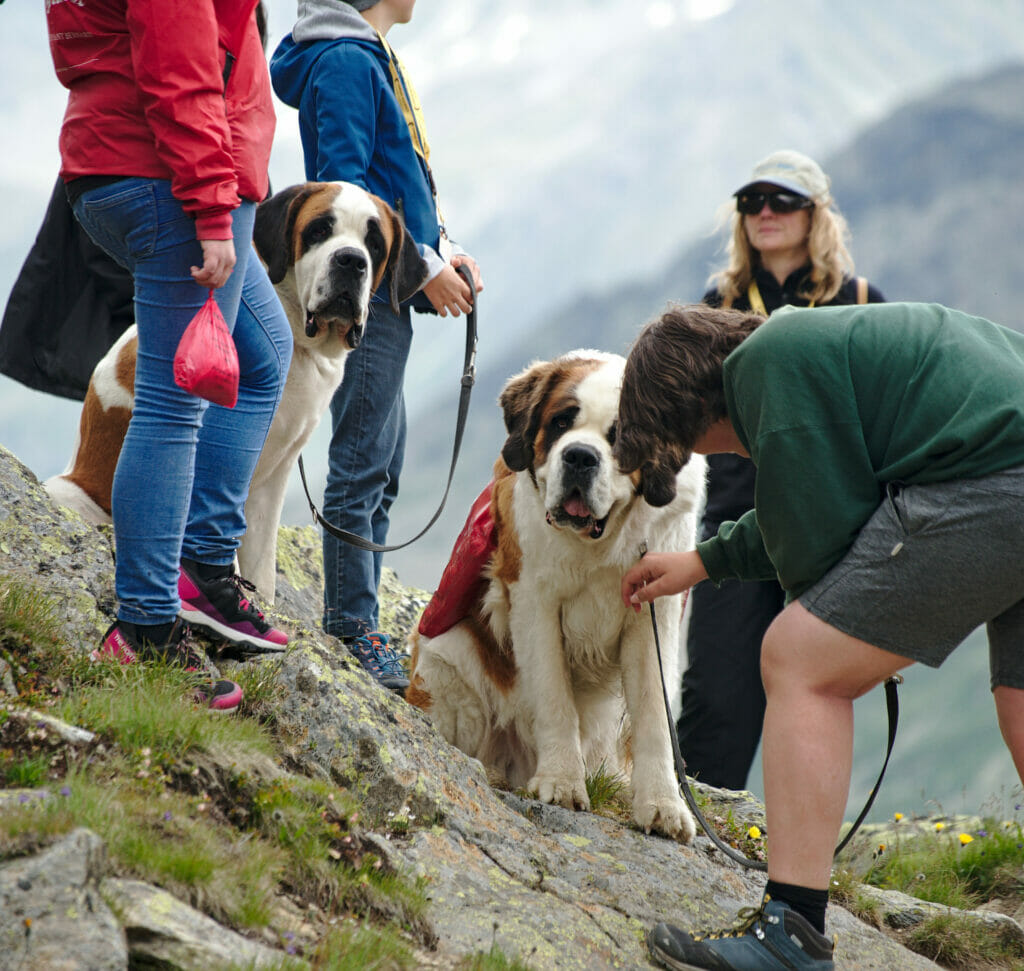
359,121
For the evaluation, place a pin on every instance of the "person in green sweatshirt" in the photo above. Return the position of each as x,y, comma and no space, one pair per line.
889,446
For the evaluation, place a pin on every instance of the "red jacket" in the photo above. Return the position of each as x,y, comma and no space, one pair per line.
147,98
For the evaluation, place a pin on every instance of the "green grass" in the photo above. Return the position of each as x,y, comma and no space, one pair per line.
493,960
25,773
956,941
954,869
941,868
191,801
608,792
362,948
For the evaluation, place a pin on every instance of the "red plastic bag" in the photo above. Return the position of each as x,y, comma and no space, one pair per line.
206,362
463,580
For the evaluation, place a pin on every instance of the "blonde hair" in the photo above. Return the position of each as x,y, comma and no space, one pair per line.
827,244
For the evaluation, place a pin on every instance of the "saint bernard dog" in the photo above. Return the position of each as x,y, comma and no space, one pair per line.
550,678
327,247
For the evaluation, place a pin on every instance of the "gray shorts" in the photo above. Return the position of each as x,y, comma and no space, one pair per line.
933,563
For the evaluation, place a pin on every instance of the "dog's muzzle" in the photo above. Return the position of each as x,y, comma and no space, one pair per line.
346,282
580,466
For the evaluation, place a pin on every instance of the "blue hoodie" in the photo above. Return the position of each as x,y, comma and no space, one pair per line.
333,69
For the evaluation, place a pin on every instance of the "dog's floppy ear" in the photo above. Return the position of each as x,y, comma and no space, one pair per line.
406,268
520,401
658,478
273,233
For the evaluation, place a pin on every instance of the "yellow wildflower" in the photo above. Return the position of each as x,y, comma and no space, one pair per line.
939,827
966,838
897,816
754,833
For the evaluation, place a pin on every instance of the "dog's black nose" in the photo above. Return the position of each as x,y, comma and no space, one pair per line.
581,460
349,260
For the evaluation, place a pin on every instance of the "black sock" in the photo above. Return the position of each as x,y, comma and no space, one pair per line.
809,903
155,634
206,571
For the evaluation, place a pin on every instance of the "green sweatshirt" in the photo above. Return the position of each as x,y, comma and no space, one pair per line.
834,402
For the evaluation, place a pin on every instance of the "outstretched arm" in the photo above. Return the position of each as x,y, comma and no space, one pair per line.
659,574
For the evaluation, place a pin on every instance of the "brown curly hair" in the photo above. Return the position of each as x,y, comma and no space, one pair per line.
672,391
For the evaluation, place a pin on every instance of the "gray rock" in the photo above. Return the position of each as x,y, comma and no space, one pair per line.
162,932
900,910
52,916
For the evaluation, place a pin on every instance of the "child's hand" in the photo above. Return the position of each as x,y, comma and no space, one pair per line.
448,293
661,574
464,259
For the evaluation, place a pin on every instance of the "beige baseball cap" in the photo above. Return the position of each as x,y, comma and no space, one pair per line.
790,170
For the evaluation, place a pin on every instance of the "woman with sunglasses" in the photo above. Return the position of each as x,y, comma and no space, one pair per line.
788,246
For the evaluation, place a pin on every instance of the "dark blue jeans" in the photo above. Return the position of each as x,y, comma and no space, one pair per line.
364,463
184,471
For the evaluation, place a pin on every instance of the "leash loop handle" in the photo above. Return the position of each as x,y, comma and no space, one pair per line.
467,382
893,709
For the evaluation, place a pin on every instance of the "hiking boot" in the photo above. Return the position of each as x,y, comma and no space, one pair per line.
772,936
373,652
220,607
123,644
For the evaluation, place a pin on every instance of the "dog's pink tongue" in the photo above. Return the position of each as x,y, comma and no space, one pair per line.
577,507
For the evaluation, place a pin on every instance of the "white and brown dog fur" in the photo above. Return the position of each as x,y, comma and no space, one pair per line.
551,678
327,247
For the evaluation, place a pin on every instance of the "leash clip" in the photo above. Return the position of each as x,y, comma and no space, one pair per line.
643,548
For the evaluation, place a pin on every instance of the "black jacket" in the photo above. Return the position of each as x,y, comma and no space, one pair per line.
731,477
71,301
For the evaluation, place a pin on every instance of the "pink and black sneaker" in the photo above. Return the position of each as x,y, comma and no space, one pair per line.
122,643
219,606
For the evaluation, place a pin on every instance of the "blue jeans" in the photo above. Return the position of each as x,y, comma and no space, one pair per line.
364,463
184,471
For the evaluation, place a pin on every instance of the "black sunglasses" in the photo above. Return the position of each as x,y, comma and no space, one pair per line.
751,203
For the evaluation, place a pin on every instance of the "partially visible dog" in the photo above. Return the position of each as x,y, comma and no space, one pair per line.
550,678
327,247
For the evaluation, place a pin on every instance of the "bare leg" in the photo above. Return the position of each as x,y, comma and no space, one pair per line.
812,673
1010,709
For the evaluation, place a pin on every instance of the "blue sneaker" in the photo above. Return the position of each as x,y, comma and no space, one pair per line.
374,652
771,937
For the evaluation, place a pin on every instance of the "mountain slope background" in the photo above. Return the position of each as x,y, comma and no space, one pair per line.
582,153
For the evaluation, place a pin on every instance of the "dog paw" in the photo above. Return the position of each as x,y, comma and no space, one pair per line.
669,816
562,792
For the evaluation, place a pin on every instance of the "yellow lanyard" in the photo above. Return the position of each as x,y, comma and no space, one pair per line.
756,303
409,102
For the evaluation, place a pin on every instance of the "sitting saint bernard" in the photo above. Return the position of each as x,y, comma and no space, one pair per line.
549,678
327,247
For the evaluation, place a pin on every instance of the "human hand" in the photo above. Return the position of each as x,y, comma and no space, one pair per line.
661,574
448,293
218,262
464,259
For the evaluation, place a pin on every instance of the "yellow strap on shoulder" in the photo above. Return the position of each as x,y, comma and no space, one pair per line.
862,289
409,102
757,304
754,298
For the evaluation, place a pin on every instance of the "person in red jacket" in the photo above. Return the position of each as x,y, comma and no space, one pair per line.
164,150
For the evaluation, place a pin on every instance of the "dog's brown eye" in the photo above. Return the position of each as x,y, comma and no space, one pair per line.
563,420
317,232
613,433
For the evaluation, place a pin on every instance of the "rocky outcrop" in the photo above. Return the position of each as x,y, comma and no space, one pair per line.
550,887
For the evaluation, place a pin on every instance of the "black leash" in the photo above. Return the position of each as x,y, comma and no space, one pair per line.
892,705
468,378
